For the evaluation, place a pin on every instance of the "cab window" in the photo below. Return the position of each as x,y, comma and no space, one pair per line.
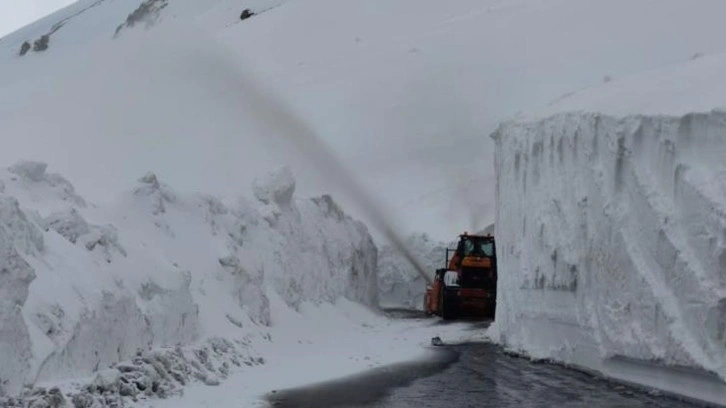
481,248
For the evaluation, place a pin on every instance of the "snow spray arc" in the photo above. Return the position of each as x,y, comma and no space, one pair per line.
272,111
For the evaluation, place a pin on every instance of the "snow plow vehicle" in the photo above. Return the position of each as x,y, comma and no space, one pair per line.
467,286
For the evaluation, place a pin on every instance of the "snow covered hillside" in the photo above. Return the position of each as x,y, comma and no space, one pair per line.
612,230
404,91
85,286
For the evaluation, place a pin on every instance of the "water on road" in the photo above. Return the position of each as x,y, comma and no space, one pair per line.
472,375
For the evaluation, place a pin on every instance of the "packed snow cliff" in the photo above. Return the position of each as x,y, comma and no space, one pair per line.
85,286
612,238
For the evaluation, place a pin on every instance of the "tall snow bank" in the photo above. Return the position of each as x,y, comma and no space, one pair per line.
16,234
319,253
612,245
83,287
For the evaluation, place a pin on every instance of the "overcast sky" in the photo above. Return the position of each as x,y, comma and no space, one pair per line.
18,13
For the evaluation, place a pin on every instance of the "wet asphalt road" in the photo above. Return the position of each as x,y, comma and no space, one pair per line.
471,375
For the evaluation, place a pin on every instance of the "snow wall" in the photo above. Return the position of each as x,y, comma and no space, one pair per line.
83,286
612,246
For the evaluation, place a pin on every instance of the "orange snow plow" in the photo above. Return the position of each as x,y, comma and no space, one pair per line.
468,284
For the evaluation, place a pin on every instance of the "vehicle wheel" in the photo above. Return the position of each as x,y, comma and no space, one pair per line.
448,305
427,309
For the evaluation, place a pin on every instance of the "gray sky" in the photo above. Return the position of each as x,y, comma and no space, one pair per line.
18,13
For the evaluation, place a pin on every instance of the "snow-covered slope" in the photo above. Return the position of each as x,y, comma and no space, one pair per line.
403,91
85,286
612,230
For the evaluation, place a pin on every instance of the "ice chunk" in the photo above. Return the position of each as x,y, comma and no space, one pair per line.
248,287
31,170
105,236
330,207
15,278
70,224
276,187
158,193
18,228
151,179
33,175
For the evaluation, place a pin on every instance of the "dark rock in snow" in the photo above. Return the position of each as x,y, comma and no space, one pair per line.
41,44
246,13
24,48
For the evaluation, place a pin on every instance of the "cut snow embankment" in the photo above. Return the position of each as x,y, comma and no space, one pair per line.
612,245
177,286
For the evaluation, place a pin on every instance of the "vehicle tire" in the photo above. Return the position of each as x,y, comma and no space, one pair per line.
448,304
426,303
493,307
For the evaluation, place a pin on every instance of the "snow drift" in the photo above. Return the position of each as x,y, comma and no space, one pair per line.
612,239
84,286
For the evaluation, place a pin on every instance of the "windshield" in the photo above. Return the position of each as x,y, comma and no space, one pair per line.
478,248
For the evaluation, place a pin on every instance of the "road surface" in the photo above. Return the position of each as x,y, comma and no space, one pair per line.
471,375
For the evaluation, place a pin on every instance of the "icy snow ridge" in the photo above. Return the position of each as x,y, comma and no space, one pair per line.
84,287
613,245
